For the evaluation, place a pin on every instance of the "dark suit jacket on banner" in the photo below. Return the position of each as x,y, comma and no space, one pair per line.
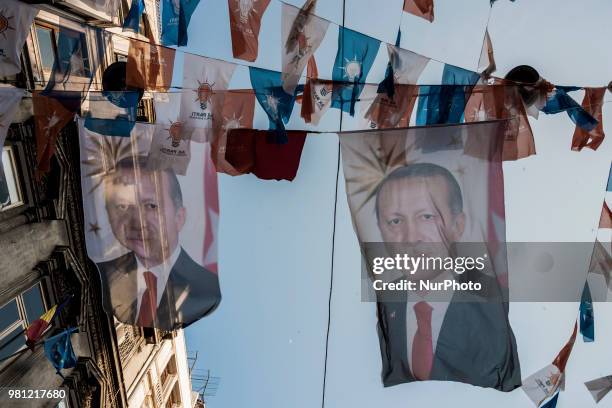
191,292
475,344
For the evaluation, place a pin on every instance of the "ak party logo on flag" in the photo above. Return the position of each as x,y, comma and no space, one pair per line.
246,10
175,133
5,25
204,93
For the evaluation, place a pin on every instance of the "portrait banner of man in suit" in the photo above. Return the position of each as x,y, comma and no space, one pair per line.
434,194
150,230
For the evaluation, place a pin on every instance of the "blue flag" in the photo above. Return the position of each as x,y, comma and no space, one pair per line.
587,318
552,403
388,84
112,113
277,103
59,351
560,101
132,20
176,15
356,54
445,104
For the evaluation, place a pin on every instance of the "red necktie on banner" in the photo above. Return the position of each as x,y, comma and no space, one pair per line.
422,344
148,305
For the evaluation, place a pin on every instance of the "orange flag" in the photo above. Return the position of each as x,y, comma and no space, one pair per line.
51,114
592,103
149,66
420,8
233,110
245,22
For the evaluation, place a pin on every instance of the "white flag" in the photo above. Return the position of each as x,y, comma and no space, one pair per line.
170,147
15,21
543,384
302,33
407,65
202,77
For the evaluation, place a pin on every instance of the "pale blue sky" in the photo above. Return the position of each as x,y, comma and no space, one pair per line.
267,339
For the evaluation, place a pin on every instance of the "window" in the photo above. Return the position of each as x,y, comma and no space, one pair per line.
10,193
74,45
16,315
46,45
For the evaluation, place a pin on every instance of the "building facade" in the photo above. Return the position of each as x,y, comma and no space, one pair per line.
42,241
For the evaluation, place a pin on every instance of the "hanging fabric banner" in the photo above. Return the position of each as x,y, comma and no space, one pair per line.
407,197
356,54
420,8
132,20
302,33
52,111
316,98
498,101
150,231
277,103
15,21
9,103
234,110
176,15
592,104
204,78
256,151
245,21
149,66
445,104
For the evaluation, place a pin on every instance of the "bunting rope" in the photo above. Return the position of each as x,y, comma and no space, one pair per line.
331,278
243,64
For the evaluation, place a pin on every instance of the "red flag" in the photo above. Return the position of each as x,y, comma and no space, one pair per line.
592,103
256,152
561,360
38,327
245,22
50,117
420,8
211,214
237,110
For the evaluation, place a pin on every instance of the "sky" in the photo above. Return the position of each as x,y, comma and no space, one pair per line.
267,340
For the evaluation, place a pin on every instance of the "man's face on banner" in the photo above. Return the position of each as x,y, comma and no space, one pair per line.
143,214
417,210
